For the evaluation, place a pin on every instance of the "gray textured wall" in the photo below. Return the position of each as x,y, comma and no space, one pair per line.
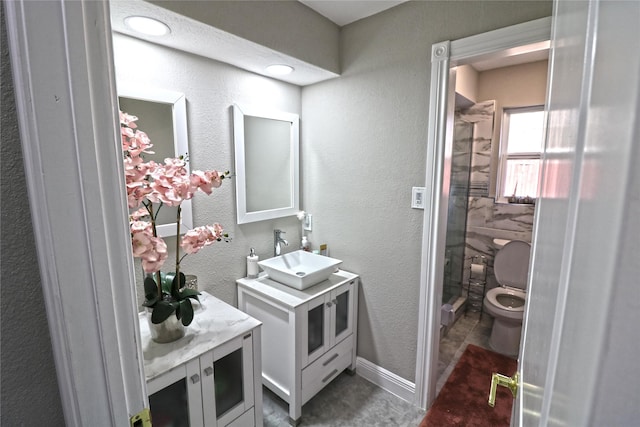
211,88
29,388
364,148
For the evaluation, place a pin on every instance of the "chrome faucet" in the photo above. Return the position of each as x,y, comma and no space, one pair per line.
277,239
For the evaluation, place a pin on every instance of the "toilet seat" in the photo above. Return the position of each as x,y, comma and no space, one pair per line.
511,264
510,267
493,297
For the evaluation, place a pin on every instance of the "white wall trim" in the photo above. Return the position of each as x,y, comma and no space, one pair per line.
502,42
386,380
446,54
434,225
75,179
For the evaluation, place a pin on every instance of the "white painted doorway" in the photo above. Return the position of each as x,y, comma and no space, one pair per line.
495,45
578,363
62,64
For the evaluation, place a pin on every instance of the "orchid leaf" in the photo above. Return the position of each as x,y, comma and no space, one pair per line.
175,287
161,312
189,293
150,302
150,288
150,292
178,282
167,280
187,311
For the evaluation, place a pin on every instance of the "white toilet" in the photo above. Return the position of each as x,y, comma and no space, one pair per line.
506,302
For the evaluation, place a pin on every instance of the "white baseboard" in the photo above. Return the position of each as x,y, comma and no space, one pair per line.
386,380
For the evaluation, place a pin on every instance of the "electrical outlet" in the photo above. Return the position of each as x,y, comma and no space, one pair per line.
308,224
417,197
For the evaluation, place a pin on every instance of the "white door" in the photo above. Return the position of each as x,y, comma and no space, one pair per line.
580,333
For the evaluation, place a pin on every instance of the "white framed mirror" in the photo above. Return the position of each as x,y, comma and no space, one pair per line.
267,161
162,115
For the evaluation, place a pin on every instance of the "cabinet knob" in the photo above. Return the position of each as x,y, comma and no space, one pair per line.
195,378
335,301
329,304
208,371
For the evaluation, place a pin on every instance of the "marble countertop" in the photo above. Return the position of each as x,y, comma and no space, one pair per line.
215,322
292,297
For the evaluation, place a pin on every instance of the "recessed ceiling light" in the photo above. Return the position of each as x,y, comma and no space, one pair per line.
147,26
279,69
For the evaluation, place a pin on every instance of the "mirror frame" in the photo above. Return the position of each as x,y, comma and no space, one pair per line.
239,113
178,104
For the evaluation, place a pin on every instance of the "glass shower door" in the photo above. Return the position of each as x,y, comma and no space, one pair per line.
457,210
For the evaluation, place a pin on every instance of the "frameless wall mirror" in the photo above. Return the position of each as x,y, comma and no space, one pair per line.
267,163
162,115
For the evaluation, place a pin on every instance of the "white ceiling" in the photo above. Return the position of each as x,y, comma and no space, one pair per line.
344,12
532,53
195,37
198,38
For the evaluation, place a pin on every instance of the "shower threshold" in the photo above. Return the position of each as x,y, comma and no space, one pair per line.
458,309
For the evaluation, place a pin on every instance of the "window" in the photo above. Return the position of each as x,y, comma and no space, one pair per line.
520,150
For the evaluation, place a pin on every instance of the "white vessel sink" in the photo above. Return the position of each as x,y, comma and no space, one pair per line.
300,269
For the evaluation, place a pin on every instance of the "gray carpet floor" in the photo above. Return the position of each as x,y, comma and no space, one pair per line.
352,401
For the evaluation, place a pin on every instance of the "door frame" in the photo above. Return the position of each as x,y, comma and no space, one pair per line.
66,102
445,55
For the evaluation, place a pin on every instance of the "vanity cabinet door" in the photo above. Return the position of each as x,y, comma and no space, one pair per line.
175,398
342,312
227,387
327,320
316,334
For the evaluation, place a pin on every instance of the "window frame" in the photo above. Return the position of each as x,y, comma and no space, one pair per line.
503,153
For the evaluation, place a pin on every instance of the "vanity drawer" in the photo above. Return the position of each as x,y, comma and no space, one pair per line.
326,368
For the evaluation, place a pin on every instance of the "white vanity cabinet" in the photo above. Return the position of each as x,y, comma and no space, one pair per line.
209,377
308,336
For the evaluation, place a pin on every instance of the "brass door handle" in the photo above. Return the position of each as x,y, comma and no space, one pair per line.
504,381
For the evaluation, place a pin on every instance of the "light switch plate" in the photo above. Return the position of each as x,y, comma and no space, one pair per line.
308,224
417,197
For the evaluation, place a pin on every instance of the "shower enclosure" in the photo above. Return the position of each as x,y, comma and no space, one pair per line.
469,177
457,210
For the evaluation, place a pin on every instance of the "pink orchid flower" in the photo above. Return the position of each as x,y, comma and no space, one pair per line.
199,237
148,182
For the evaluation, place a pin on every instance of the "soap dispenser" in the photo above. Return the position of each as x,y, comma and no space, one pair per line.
305,245
252,264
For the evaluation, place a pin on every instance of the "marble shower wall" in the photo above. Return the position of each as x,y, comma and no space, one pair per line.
482,116
487,220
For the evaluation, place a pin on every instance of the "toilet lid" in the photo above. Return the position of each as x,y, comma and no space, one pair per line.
511,264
